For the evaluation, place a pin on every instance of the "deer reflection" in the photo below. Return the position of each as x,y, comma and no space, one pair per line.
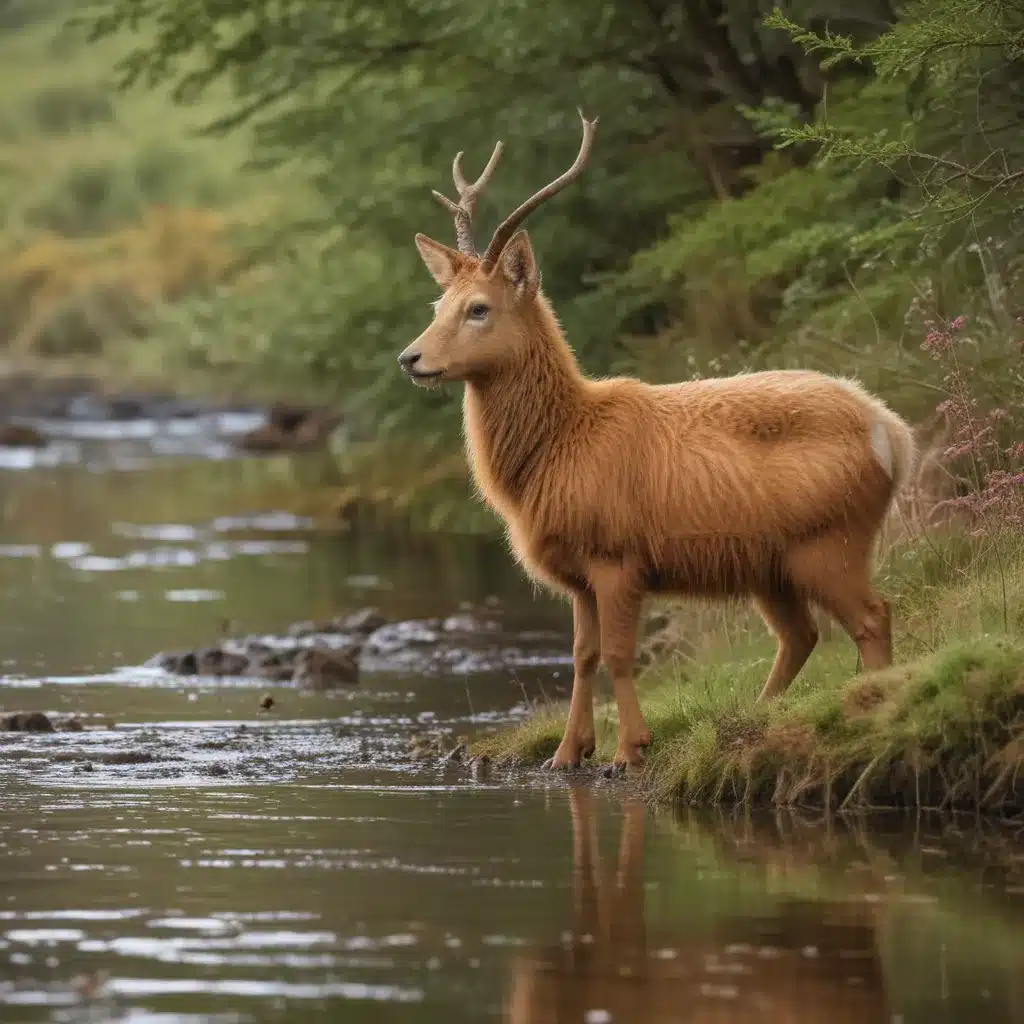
806,963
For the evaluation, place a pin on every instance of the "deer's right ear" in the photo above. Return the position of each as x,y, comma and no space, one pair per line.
442,262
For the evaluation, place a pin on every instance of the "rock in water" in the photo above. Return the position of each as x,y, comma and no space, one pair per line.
291,429
323,668
363,622
270,665
18,435
28,721
215,661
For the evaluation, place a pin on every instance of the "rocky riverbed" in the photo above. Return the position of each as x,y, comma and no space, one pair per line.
324,655
36,411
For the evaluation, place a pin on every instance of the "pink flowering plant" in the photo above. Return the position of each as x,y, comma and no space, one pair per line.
993,499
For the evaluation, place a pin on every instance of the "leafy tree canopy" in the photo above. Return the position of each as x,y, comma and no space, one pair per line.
761,174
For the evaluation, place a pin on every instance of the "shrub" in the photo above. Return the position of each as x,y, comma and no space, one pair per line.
59,109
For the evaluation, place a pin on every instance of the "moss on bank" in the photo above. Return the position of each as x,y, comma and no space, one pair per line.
941,731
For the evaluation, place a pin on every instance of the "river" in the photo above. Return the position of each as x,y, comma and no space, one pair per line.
167,864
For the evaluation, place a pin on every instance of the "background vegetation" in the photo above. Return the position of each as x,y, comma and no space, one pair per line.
802,186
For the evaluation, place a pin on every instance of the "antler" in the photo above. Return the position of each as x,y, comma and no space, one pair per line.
507,228
468,195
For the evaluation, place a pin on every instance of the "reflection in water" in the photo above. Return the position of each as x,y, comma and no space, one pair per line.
372,895
805,963
190,857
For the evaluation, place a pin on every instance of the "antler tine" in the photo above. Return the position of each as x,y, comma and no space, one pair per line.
468,195
507,228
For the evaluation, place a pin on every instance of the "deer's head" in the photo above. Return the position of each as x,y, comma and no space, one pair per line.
479,321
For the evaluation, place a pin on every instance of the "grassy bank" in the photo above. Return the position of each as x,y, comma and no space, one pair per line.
943,728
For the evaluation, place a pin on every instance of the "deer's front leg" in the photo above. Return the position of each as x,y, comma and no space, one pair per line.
619,591
579,738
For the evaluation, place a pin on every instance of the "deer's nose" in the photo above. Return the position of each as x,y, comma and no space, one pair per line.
407,360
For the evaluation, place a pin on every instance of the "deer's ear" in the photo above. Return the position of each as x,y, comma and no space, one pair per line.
442,262
518,265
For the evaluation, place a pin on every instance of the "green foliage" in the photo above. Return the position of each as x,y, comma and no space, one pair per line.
114,209
768,187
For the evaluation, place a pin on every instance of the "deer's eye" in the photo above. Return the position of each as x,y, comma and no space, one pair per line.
478,311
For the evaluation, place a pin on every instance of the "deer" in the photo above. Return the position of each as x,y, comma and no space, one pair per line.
769,486
812,961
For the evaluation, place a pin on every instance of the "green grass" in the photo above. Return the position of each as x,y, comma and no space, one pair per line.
942,728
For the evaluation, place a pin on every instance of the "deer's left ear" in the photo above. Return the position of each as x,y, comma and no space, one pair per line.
518,265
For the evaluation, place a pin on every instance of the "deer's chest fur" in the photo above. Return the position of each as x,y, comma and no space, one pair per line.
548,555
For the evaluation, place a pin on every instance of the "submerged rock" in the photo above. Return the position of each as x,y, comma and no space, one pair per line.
276,666
27,721
18,435
323,668
362,623
439,746
291,428
466,622
179,663
399,635
38,721
470,640
209,661
216,661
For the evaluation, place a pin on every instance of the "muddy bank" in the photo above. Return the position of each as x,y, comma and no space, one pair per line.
334,653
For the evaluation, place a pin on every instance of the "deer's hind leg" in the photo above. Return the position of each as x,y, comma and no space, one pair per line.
835,571
786,613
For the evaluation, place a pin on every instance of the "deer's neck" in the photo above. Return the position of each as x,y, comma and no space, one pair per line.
515,417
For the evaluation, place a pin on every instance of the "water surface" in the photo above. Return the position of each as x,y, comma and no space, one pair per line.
191,857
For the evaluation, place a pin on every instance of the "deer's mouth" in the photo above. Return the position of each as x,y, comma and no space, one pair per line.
427,380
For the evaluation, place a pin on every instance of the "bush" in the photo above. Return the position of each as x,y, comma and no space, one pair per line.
60,296
59,109
87,199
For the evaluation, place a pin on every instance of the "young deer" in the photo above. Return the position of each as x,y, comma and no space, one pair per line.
770,485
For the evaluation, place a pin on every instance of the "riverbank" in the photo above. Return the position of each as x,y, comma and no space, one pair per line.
942,728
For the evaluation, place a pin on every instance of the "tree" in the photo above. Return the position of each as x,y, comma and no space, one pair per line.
727,209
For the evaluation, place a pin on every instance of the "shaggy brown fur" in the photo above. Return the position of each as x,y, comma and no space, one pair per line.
742,971
768,485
